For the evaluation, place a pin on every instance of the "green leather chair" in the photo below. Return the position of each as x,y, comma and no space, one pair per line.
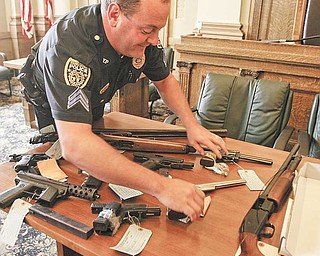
5,75
310,140
250,109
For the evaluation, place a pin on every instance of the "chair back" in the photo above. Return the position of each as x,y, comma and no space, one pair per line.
314,128
250,109
169,53
5,74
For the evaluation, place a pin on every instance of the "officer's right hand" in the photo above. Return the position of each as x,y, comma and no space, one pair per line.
181,196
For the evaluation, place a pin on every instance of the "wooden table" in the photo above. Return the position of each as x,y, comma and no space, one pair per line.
15,64
215,234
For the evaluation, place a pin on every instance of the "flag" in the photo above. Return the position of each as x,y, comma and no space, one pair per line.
26,17
49,12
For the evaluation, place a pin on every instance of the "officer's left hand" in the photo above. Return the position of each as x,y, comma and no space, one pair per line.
199,136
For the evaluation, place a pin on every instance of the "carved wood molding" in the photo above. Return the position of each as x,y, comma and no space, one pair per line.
248,72
220,30
184,76
290,59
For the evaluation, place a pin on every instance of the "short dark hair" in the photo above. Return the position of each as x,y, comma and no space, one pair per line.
128,7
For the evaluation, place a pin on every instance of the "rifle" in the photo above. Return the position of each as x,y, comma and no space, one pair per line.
29,185
27,162
136,133
270,201
155,161
173,215
137,144
112,215
233,156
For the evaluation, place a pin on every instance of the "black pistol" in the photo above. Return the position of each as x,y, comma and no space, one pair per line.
27,162
112,215
155,161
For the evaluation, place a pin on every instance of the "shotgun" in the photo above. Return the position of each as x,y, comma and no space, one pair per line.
271,200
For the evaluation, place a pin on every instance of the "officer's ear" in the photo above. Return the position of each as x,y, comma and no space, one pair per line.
113,14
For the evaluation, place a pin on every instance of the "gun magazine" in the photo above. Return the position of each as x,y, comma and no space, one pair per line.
61,221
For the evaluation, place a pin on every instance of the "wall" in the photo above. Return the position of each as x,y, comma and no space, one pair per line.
184,18
12,41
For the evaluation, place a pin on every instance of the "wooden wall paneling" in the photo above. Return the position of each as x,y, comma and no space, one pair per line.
271,19
254,20
281,19
300,13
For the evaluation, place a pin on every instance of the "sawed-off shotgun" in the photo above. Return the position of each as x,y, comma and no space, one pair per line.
271,200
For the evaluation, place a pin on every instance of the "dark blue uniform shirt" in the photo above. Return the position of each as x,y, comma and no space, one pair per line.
80,71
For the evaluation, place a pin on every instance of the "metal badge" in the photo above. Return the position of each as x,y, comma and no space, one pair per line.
137,63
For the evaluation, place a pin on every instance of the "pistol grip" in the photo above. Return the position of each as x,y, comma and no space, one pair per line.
23,164
8,196
151,164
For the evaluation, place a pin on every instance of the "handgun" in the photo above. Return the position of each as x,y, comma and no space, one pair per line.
112,215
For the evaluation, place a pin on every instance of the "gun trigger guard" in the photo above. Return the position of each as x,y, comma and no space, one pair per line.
268,234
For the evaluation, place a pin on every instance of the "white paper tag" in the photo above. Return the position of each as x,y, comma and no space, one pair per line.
124,192
55,151
134,240
12,224
207,201
252,179
48,129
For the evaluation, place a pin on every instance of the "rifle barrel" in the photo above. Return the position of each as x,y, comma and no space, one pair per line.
256,159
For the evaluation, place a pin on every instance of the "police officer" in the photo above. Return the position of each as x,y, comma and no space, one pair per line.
83,59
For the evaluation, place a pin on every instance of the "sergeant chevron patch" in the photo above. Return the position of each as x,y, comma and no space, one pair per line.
76,97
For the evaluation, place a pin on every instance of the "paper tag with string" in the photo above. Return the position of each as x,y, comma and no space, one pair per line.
12,224
134,240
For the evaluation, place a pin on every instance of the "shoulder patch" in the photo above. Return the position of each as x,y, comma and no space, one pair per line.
137,63
76,74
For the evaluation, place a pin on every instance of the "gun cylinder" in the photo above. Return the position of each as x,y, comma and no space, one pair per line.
208,160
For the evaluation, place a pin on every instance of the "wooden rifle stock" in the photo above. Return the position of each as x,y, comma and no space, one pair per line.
283,186
249,245
270,201
147,145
